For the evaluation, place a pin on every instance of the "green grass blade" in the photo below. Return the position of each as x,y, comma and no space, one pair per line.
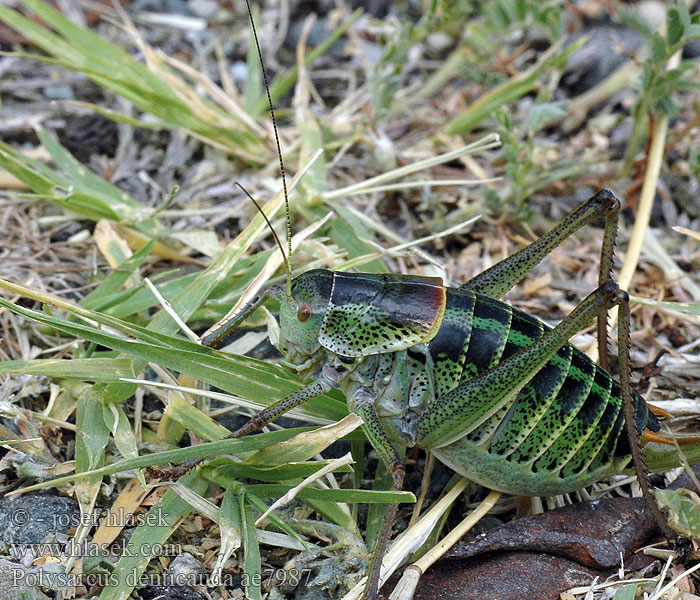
275,490
85,369
305,445
285,472
510,90
92,433
227,446
77,172
661,457
687,308
76,190
334,513
124,437
626,592
103,294
252,563
23,169
193,419
231,528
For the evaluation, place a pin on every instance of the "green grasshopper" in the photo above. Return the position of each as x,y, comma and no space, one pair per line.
491,391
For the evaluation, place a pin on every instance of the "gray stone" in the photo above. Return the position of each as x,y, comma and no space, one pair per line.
31,517
18,583
186,570
605,50
206,9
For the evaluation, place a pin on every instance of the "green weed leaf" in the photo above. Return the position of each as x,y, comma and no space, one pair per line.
683,510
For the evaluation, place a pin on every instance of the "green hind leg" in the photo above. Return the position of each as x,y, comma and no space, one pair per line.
458,412
497,280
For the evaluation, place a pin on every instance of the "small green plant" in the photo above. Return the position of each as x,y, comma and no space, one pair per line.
683,509
663,77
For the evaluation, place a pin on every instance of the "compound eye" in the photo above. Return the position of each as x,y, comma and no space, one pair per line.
304,313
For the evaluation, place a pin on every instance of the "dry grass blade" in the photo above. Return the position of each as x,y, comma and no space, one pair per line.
411,539
488,142
268,270
406,586
689,232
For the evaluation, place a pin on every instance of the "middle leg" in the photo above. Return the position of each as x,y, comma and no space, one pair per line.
362,403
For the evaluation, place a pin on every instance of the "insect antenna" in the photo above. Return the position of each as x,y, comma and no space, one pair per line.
288,256
272,229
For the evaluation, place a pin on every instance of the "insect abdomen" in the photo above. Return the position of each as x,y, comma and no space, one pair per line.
563,430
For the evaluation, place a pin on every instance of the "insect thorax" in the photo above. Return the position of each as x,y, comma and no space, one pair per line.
402,384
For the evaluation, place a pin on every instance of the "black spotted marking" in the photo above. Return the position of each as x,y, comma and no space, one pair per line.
316,280
484,432
597,397
524,330
562,411
587,453
370,314
608,451
403,301
420,375
417,356
531,403
579,430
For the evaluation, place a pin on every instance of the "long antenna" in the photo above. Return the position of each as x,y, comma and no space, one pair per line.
272,229
288,257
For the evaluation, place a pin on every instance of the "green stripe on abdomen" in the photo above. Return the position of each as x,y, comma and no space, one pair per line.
532,403
562,411
580,428
448,348
490,327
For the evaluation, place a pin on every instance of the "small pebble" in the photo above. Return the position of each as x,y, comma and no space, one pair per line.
59,92
438,42
206,9
31,517
18,583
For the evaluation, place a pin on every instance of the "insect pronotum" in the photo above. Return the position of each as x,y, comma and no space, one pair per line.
490,390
